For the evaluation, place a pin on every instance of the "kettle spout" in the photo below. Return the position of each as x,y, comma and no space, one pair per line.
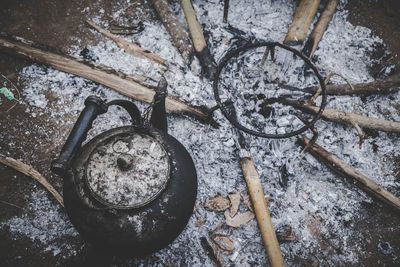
159,117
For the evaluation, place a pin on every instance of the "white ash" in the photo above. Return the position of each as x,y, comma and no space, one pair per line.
145,178
43,221
312,189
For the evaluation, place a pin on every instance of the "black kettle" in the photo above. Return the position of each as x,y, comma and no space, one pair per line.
131,189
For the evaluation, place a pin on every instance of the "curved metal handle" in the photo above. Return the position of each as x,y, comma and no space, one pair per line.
131,108
94,107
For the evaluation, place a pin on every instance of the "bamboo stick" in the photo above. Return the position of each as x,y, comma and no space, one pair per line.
97,73
261,210
320,28
194,26
362,181
200,45
302,20
130,48
31,172
257,197
175,29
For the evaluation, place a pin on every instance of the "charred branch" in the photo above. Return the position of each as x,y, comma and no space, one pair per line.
341,168
386,86
200,45
175,29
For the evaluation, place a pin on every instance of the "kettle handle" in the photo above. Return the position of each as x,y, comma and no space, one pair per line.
94,106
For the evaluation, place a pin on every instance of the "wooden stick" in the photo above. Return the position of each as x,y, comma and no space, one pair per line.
344,117
130,48
320,28
377,87
200,45
31,172
175,29
362,121
111,78
362,181
302,20
261,210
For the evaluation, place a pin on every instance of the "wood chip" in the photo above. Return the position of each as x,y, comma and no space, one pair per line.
235,202
218,203
239,220
223,243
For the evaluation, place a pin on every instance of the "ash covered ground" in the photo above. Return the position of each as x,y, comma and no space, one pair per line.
325,212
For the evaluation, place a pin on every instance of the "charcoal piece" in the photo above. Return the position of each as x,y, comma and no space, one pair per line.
88,54
283,177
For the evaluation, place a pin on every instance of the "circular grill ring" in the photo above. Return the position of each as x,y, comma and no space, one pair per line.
270,45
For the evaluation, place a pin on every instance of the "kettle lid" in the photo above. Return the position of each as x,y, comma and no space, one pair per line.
127,170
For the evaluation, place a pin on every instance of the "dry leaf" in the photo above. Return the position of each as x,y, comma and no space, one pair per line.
239,220
247,202
196,207
285,234
314,226
249,205
268,198
218,203
235,203
223,242
199,223
211,253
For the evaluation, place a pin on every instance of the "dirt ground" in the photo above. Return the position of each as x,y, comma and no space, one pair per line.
60,24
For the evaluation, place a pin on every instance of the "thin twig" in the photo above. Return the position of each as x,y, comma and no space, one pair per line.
130,48
11,204
31,172
319,90
265,56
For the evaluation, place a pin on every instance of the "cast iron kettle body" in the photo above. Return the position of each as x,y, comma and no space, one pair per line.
157,212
